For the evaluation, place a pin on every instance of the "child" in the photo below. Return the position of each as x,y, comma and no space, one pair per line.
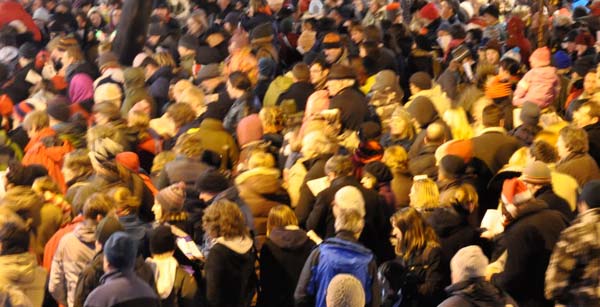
540,85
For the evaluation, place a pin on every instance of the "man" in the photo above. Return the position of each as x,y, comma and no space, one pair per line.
451,12
121,286
424,114
341,254
321,220
456,77
572,275
538,179
573,148
351,103
158,80
334,51
422,85
589,89
300,90
530,234
587,118
424,162
319,70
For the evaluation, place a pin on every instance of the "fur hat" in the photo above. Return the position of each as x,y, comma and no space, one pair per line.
345,290
562,60
379,170
161,240
120,250
108,92
530,113
58,109
589,194
172,197
421,80
212,181
350,197
341,72
106,227
468,263
429,12
540,57
537,172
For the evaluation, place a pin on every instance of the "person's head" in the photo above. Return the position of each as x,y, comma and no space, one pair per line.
396,158
465,199
280,217
448,8
451,167
332,47
345,290
536,175
589,83
459,124
180,114
238,83
435,133
468,263
572,140
105,228
150,66
411,233
45,184
73,54
317,143
168,204
210,183
492,116
120,253
420,81
338,166
318,71
424,193
401,124
162,158
197,23
224,219
357,33
96,207
301,73
587,114
162,242
340,77
375,173
26,204
106,112
543,151
14,234
508,67
125,202
22,175
189,145
271,119
589,197
35,122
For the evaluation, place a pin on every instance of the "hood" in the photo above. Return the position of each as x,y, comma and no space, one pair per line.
85,233
544,74
240,245
162,72
290,238
262,180
19,268
478,292
134,78
444,220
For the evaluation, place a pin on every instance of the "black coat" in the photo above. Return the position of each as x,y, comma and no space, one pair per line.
377,226
476,293
131,34
593,132
282,258
529,240
494,147
555,202
315,169
424,162
353,108
299,92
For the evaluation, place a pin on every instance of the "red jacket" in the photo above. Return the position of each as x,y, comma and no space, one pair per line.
11,10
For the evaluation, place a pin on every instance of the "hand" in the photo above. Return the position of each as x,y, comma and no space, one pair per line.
48,72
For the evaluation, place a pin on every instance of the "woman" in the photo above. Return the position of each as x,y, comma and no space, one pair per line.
197,25
77,168
396,158
239,88
401,130
417,270
424,194
229,267
127,207
282,258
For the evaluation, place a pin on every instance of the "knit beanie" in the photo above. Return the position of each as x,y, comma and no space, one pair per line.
262,31
107,59
540,57
421,80
28,51
332,41
108,92
498,88
345,290
266,67
514,193
249,129
129,160
212,181
162,240
369,131
351,198
6,105
341,72
188,41
453,166
537,172
379,170
460,148
561,60
120,250
468,263
59,109
22,109
589,194
514,53
530,113
106,227
429,12
172,197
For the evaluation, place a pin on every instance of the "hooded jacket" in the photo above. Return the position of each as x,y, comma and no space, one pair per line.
158,86
22,272
281,260
135,90
437,97
230,276
75,251
540,85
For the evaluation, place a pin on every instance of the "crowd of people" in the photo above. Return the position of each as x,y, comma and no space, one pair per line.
299,153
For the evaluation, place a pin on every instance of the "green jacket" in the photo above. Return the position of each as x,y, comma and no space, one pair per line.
219,140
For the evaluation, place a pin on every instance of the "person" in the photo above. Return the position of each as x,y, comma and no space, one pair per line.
300,90
174,285
531,231
421,85
345,290
219,140
121,286
572,273
76,250
575,160
396,158
378,176
282,257
18,267
538,178
540,84
229,266
341,254
417,271
423,163
239,88
469,287
587,117
351,103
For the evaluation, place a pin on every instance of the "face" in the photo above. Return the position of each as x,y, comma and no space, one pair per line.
317,74
492,56
193,26
446,10
368,181
331,55
356,36
562,149
396,235
157,210
397,127
581,117
589,83
116,17
96,19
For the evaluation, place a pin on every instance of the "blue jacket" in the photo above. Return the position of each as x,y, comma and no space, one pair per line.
122,289
339,255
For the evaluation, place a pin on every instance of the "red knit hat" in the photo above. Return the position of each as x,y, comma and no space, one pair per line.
129,160
514,193
429,11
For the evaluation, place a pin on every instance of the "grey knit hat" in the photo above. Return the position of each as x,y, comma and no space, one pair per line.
469,262
345,290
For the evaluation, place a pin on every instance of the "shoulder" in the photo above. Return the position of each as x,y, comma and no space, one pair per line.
455,301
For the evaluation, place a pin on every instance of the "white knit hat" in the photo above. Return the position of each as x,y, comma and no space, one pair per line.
108,92
345,290
350,197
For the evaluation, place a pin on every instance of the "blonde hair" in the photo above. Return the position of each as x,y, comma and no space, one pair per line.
416,233
139,120
36,120
190,145
396,158
125,202
456,119
425,194
401,116
194,97
317,143
261,159
181,86
271,118
164,59
161,159
45,184
281,216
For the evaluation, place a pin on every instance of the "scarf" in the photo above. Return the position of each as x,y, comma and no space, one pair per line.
164,274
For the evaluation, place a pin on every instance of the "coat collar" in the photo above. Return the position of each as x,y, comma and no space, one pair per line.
492,130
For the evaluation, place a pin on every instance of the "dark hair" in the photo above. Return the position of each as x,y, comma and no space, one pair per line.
240,81
510,65
457,31
543,151
321,62
373,33
416,233
14,236
224,219
149,61
97,204
21,175
575,139
492,115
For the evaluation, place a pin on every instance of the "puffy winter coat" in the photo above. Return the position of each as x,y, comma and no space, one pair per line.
539,85
22,272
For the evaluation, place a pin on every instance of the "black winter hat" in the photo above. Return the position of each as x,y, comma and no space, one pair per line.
379,170
369,131
28,51
422,110
530,113
421,80
492,10
59,109
453,166
188,41
120,250
341,72
162,240
106,228
156,28
264,30
212,181
590,194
